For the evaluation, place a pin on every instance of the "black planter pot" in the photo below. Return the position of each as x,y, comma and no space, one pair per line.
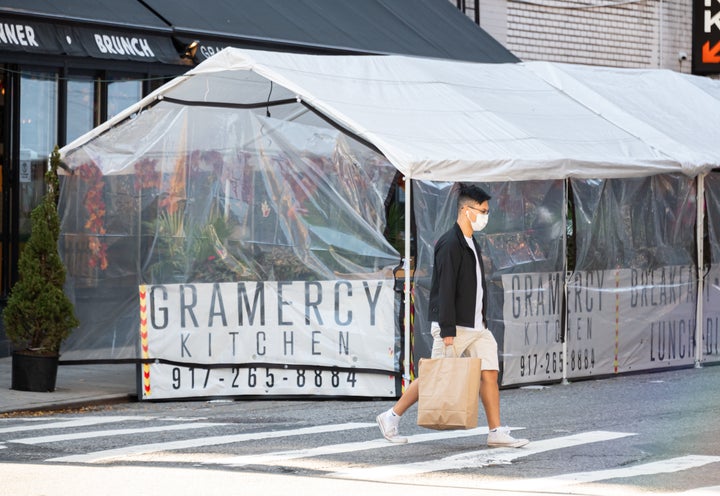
35,373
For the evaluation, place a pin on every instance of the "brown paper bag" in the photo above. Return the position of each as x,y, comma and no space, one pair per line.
449,393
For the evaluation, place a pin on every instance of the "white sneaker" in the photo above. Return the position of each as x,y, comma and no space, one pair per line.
501,437
389,427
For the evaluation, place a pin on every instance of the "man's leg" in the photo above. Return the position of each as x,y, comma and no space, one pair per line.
490,396
389,421
408,398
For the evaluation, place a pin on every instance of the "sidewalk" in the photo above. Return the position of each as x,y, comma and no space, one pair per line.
77,385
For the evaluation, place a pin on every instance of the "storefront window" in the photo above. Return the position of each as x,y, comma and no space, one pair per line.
80,107
3,232
122,94
38,137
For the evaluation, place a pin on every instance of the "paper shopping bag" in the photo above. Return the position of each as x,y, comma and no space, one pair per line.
449,393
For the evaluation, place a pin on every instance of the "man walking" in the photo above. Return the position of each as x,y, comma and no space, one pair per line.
458,302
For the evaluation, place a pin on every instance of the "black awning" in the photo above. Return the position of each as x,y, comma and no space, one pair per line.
106,43
126,14
430,28
106,29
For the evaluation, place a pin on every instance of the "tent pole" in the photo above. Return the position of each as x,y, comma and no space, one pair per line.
406,267
565,288
700,236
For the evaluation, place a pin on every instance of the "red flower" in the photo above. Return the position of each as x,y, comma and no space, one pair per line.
95,207
146,174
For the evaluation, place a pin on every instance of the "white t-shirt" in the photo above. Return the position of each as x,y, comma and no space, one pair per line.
479,298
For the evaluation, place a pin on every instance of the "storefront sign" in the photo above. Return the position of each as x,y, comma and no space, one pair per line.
206,51
62,39
114,44
123,45
18,34
617,321
268,338
25,171
28,37
533,327
706,36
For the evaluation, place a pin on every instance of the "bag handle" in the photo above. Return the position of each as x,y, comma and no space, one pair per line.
452,348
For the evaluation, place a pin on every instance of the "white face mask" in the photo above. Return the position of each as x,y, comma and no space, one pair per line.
481,221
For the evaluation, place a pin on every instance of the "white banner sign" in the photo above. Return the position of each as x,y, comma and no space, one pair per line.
632,319
284,338
617,321
533,327
711,316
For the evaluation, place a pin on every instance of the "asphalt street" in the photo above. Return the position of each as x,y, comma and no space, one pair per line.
653,433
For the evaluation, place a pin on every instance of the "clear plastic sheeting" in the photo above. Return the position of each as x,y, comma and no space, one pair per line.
631,301
189,194
525,234
642,222
712,204
711,287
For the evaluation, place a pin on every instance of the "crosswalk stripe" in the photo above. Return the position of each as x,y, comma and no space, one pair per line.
334,449
98,456
110,432
481,458
551,483
81,422
701,491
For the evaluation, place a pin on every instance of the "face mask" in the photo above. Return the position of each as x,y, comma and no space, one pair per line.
481,221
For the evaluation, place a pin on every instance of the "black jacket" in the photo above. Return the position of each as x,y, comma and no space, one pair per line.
454,283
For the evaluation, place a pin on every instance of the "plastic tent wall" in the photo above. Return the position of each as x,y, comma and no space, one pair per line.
204,194
520,130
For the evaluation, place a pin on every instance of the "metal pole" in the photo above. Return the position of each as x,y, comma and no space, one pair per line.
700,227
406,267
565,286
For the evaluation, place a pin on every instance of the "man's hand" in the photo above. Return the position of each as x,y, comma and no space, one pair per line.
448,340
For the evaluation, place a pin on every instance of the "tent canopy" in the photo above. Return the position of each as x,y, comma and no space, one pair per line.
447,120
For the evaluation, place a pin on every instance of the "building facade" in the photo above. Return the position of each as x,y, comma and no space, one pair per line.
613,33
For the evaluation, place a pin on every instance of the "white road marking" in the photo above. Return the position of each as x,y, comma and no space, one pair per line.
111,432
481,458
334,449
80,422
552,483
701,491
99,456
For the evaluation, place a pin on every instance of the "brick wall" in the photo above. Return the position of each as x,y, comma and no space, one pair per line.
616,33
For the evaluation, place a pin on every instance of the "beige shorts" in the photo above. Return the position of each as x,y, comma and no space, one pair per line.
480,344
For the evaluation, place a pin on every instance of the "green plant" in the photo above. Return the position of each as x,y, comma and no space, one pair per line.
39,316
395,227
189,249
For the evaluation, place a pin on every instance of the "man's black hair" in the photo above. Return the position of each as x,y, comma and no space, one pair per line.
470,192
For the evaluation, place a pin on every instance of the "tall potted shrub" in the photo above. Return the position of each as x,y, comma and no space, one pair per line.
39,316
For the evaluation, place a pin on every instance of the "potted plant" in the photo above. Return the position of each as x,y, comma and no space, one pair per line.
39,316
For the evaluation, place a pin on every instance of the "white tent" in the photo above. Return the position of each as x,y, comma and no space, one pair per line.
444,120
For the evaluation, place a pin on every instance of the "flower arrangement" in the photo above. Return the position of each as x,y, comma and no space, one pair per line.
146,174
95,207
